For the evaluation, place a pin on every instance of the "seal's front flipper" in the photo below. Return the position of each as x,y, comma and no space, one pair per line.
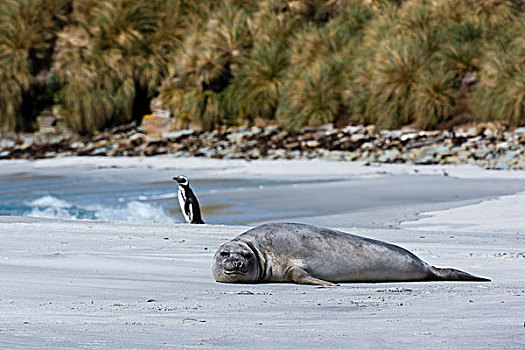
300,276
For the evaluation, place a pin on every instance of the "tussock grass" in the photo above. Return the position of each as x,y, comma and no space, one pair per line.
501,92
301,62
256,87
313,97
27,30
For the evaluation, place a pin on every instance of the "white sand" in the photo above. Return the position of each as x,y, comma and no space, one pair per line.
503,214
82,284
272,169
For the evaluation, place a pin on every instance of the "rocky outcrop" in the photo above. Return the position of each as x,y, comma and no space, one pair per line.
483,145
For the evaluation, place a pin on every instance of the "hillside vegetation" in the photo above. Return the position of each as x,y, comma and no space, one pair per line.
98,63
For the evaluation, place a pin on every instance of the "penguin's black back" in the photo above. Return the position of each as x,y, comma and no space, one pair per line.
192,199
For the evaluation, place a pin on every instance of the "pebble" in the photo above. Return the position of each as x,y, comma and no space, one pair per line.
480,145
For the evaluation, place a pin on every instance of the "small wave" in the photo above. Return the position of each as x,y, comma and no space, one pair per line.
133,211
159,196
52,207
49,201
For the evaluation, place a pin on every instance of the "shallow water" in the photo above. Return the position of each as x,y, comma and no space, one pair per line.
71,197
111,198
136,192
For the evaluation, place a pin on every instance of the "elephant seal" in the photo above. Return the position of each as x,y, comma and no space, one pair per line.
305,254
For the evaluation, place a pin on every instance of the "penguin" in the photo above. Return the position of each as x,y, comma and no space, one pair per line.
188,202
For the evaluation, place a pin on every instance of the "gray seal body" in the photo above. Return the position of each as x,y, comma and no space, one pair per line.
305,254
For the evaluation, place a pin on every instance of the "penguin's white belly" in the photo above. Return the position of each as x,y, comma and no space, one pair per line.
182,202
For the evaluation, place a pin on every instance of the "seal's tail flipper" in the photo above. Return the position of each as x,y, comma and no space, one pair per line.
456,275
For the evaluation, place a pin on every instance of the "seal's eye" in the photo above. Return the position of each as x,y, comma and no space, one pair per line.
225,254
246,255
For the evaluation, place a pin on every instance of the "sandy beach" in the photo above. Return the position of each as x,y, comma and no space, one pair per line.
73,284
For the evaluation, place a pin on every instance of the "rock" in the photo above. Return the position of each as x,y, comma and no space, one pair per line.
488,133
510,154
354,129
254,131
336,155
464,154
347,143
363,156
136,136
408,136
277,153
480,153
295,154
435,150
389,156
368,146
123,128
352,156
325,127
6,143
291,145
176,135
253,154
156,125
236,137
312,143
99,151
101,143
426,160
206,152
520,131
502,165
152,150
391,133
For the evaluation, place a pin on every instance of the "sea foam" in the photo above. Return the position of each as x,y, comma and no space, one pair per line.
52,207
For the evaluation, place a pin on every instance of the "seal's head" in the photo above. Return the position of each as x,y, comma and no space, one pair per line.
235,262
182,180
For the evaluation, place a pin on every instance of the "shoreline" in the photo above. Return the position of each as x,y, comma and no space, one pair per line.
321,192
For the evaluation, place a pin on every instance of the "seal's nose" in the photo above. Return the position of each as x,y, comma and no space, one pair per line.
237,264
